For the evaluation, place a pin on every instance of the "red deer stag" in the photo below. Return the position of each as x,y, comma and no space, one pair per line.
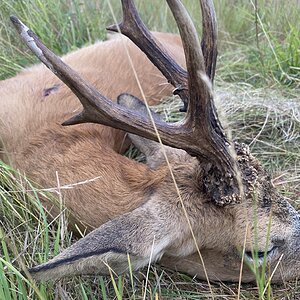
221,196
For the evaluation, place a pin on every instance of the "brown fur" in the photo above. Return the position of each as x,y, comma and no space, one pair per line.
137,206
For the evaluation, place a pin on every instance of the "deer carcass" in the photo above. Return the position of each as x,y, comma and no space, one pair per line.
198,210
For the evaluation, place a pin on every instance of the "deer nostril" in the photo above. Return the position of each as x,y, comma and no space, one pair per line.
278,242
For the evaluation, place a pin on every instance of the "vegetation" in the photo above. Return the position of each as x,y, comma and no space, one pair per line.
257,83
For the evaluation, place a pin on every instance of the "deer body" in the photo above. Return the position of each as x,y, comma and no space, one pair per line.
35,142
223,202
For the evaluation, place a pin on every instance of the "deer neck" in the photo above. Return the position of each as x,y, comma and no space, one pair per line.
192,212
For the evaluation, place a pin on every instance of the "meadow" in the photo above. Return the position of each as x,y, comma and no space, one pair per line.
257,89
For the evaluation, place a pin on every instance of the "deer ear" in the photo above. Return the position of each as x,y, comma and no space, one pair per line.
152,150
137,105
139,233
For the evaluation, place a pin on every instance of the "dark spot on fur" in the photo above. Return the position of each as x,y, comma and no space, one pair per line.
51,90
150,190
278,242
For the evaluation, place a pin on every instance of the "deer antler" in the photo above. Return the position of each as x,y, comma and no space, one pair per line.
133,27
209,37
200,133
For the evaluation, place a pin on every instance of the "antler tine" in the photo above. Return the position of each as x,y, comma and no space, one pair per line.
210,52
209,37
194,59
133,27
201,114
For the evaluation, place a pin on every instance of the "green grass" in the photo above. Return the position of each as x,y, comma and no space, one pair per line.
262,46
258,46
258,85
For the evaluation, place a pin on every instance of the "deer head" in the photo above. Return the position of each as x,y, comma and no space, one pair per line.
209,205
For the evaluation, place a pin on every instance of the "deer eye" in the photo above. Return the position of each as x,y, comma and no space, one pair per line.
252,255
